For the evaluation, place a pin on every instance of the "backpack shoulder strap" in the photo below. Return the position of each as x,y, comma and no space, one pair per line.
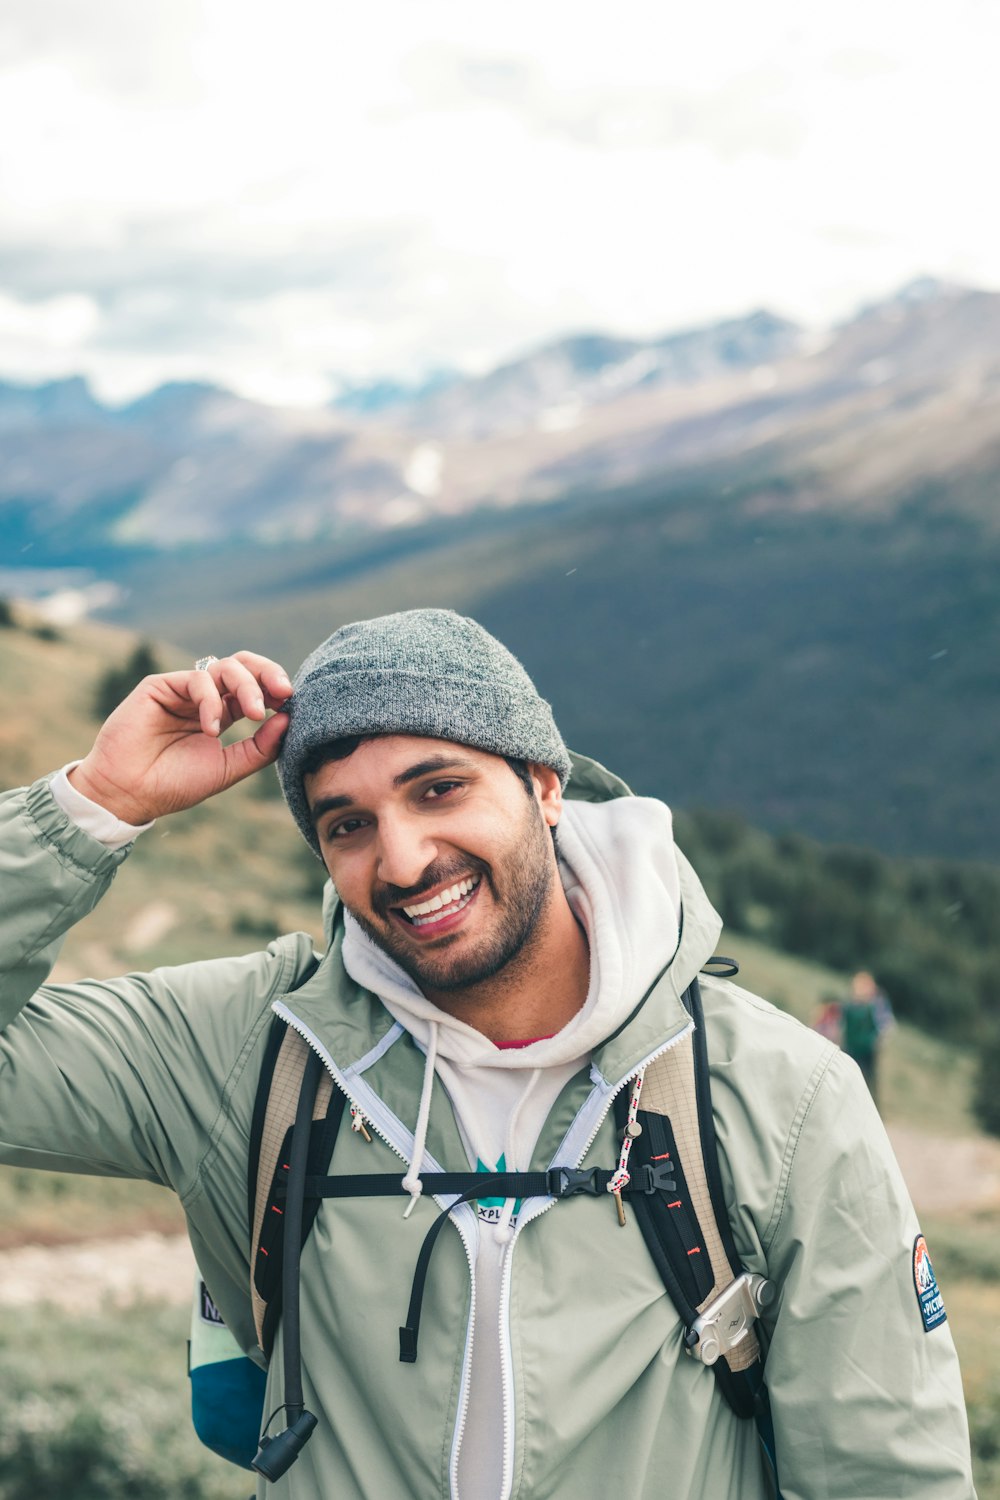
687,1228
278,1090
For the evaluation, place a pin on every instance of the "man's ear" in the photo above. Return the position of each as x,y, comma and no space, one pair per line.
548,790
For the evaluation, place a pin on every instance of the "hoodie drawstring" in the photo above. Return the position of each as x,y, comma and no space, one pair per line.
411,1182
502,1231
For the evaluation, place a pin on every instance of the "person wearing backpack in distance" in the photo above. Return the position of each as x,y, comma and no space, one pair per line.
494,1004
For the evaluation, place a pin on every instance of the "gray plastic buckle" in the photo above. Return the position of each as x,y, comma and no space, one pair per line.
726,1322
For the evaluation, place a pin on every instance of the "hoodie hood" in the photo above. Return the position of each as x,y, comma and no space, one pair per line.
619,870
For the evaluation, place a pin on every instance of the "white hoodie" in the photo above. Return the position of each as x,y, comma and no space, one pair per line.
619,871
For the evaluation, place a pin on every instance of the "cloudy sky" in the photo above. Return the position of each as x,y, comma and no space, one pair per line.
283,197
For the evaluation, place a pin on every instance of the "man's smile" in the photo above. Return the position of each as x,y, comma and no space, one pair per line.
441,911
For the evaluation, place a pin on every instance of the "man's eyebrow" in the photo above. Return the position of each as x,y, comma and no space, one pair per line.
328,804
433,763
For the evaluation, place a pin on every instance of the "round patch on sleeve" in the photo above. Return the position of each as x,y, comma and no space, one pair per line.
928,1294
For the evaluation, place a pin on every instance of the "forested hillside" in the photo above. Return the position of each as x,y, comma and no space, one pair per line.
836,675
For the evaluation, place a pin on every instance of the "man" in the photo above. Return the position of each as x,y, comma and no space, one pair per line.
866,1016
487,991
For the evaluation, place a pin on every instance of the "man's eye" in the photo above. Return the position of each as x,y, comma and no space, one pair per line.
441,789
348,826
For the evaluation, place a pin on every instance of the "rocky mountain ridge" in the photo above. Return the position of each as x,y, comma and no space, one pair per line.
906,391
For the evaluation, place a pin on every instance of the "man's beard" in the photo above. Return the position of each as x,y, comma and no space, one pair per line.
520,882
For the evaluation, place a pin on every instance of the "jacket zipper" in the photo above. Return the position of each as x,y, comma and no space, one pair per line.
317,1046
506,1351
464,1388
382,1131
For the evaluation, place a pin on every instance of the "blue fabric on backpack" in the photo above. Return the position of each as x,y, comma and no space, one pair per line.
227,1407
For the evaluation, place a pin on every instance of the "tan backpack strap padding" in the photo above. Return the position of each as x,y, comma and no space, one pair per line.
668,1088
286,1085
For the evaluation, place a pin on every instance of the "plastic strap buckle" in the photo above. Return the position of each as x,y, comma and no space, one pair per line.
565,1181
653,1177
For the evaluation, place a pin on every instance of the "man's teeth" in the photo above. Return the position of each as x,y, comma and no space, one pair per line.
443,904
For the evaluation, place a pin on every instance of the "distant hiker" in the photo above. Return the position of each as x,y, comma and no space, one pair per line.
866,1016
492,1004
830,1021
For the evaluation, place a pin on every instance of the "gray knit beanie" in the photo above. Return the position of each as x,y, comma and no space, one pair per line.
425,672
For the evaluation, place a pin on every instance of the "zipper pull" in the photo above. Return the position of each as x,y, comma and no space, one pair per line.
358,1123
619,1205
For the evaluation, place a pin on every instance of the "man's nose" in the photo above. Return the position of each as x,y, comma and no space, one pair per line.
405,851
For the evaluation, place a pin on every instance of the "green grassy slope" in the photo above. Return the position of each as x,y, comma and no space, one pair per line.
97,1408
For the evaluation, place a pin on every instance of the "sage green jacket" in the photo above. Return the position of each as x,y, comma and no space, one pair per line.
154,1076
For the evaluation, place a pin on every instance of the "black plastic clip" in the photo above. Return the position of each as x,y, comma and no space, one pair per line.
654,1177
564,1181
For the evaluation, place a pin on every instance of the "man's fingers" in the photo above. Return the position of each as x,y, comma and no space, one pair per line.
231,711
274,680
238,682
236,687
251,684
257,751
267,740
203,692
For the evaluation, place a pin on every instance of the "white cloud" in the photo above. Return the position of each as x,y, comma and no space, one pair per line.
272,202
44,340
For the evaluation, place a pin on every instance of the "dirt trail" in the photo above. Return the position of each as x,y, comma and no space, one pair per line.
80,1277
948,1174
944,1176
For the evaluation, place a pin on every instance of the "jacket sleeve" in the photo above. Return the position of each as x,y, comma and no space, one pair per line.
865,1401
127,1077
51,875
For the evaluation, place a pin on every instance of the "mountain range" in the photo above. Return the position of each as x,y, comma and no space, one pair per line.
903,393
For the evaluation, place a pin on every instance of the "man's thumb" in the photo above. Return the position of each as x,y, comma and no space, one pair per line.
251,755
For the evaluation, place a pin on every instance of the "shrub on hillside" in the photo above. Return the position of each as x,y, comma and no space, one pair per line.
266,785
98,1408
986,1101
7,620
118,682
54,1450
313,871
932,986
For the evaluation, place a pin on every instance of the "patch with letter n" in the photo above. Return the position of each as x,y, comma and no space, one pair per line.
209,1312
928,1293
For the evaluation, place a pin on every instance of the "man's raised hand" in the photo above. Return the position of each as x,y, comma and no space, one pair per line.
160,751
